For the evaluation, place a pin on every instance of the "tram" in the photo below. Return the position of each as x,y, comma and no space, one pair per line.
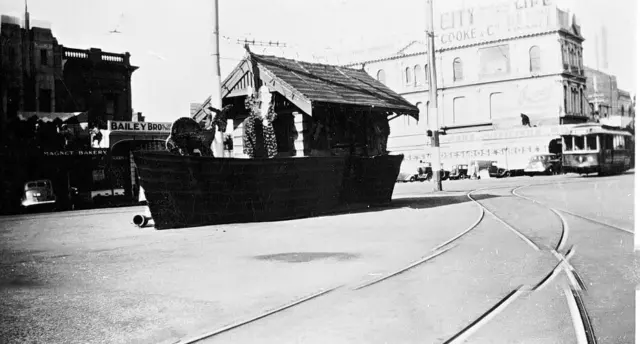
596,148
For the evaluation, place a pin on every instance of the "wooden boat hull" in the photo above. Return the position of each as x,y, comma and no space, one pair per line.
185,191
371,180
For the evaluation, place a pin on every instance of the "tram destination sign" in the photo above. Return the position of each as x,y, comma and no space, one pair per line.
139,127
487,22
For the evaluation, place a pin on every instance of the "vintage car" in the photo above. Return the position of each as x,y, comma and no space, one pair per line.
425,172
408,172
38,193
459,172
543,164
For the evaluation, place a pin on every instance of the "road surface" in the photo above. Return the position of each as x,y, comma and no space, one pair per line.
490,261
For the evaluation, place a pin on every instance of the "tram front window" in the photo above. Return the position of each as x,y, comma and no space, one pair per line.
568,143
579,142
592,142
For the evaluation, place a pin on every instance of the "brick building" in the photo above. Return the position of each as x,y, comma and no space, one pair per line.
604,96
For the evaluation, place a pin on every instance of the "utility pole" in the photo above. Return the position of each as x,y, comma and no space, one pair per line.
216,94
433,97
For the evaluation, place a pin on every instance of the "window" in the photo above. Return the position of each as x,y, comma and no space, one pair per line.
417,71
381,76
494,60
498,106
568,143
621,110
407,75
566,99
426,74
457,69
618,142
592,142
110,105
534,59
582,102
578,142
44,100
459,110
44,58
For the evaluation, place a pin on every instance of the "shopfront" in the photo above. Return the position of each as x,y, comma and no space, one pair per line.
124,138
511,148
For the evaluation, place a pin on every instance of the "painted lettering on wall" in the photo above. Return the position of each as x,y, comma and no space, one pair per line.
140,126
471,25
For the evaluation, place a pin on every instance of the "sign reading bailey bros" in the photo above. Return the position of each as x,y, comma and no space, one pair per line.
151,127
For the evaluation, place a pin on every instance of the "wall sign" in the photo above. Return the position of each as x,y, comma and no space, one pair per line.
91,152
150,127
496,21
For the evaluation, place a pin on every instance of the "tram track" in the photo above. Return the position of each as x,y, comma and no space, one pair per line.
580,317
584,329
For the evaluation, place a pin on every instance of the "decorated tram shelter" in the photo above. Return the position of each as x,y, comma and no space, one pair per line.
319,110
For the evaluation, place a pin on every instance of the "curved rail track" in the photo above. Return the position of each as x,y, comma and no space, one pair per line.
582,321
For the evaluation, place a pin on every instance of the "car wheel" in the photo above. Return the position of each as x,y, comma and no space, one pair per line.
412,179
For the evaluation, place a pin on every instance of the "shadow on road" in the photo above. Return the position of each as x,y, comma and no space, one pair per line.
426,202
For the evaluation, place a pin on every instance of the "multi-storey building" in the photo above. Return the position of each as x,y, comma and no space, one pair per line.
604,96
38,75
68,95
510,79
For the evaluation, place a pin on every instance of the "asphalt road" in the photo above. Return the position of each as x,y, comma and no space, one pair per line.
92,277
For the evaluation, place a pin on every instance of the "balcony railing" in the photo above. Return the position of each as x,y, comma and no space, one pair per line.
96,55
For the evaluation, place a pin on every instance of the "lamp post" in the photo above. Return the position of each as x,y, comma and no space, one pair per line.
216,96
433,96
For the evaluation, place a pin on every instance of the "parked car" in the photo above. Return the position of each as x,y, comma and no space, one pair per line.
408,172
38,193
543,164
459,172
425,172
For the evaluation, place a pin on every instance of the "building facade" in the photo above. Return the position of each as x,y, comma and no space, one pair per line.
510,79
604,96
38,75
55,105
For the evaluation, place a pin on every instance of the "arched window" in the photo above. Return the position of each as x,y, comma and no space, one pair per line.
407,75
417,72
621,110
426,74
457,69
381,76
534,59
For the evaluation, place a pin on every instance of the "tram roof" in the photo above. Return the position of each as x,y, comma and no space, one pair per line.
593,129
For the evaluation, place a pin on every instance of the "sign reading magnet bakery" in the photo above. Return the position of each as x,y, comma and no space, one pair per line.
139,127
503,19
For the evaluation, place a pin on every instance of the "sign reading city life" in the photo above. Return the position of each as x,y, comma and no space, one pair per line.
495,21
149,127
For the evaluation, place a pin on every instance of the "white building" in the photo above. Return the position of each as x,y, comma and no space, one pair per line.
494,63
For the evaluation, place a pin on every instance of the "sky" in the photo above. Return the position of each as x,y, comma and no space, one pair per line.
171,40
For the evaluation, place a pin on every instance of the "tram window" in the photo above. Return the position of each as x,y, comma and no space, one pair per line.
579,142
608,141
568,143
592,142
618,142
